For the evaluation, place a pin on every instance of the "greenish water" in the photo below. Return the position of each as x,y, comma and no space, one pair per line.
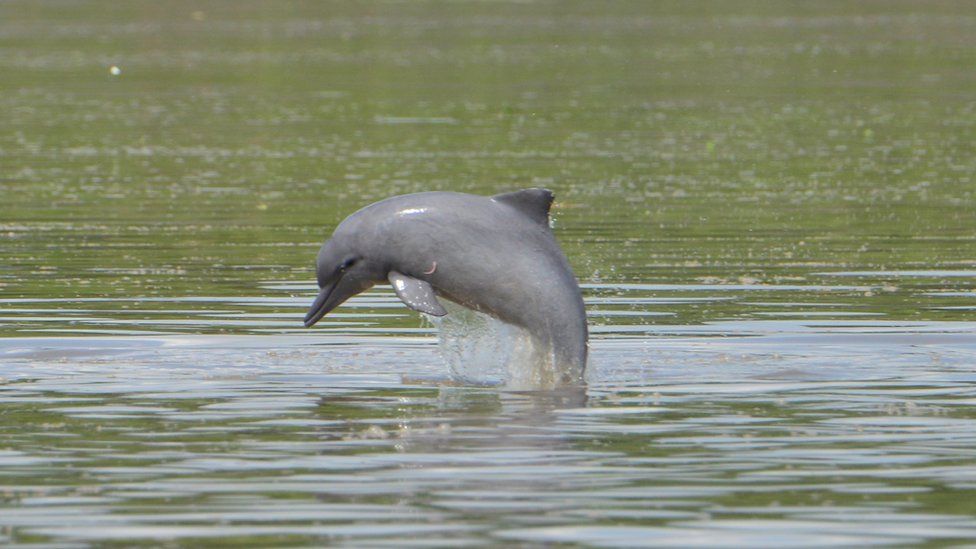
770,205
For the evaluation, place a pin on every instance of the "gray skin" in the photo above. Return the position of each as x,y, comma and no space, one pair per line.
496,255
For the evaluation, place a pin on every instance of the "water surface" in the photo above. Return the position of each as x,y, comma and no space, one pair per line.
769,205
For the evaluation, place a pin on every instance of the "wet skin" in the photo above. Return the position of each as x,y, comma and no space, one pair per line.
496,255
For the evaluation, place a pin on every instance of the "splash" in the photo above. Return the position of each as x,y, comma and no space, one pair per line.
482,350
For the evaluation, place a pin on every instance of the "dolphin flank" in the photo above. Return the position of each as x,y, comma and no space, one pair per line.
496,255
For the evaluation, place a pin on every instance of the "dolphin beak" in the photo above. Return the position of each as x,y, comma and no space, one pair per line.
322,305
341,286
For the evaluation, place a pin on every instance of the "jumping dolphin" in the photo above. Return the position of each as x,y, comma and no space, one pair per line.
496,255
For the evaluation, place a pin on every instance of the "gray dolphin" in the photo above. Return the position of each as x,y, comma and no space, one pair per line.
496,255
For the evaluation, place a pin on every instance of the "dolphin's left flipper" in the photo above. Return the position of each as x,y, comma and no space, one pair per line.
416,294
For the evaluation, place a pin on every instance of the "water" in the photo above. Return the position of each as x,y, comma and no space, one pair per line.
481,350
769,206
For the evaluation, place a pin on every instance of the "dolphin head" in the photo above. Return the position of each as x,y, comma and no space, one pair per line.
343,270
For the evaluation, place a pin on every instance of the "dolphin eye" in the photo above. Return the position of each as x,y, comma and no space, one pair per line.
348,263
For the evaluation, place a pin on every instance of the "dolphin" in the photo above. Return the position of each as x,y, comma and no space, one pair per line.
495,255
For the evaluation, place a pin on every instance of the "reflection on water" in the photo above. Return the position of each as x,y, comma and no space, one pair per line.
774,435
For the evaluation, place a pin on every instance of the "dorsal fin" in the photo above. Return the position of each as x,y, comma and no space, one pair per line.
534,203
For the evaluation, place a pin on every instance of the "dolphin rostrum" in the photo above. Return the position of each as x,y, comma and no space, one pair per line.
496,255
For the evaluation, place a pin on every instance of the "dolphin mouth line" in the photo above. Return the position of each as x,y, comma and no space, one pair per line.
320,307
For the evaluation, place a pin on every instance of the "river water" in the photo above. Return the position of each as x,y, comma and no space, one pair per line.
769,206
